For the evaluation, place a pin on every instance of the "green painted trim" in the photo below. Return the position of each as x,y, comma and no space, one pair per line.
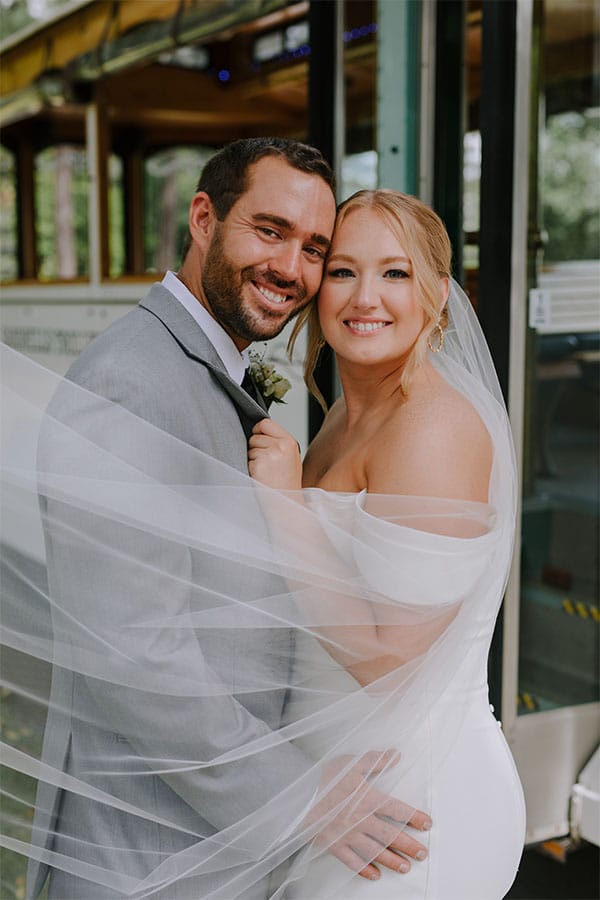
398,93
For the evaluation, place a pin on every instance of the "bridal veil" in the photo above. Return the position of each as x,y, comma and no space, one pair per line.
137,572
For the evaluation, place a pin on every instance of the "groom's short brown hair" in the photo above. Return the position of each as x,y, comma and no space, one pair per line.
225,176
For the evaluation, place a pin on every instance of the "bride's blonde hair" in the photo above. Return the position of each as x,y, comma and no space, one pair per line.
424,238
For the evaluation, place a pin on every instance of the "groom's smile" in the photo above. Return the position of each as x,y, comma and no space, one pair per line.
273,296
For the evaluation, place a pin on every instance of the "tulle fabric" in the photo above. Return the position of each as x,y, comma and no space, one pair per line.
171,596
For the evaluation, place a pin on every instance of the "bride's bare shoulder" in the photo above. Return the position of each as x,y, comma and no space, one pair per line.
434,444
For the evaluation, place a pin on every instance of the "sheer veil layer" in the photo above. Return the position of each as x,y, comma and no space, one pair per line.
153,600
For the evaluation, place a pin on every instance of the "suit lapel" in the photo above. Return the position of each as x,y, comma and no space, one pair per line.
194,343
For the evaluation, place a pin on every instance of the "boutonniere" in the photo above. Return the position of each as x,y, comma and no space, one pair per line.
270,384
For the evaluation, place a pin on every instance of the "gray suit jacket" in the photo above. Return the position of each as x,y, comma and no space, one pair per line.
157,363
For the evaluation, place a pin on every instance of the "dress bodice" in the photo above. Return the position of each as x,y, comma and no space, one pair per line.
399,548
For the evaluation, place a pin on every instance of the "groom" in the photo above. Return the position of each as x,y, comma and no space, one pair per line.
259,228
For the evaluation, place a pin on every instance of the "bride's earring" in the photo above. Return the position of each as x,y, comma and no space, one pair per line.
440,337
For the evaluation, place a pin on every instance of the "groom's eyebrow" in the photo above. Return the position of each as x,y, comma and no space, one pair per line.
290,226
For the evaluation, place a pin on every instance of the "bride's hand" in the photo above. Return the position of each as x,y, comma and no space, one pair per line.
367,826
274,457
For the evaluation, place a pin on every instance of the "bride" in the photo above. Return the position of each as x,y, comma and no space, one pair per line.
415,457
368,597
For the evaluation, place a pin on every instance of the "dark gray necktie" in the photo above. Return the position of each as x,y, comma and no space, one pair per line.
250,388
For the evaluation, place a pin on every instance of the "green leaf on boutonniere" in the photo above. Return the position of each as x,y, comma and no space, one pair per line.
270,384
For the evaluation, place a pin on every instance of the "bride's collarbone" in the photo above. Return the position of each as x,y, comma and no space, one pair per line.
338,457
337,464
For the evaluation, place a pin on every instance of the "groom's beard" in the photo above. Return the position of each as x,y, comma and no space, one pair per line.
223,288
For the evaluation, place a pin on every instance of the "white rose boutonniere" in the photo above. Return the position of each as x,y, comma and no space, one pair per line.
271,385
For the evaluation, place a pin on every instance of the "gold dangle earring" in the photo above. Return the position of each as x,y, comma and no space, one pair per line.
440,337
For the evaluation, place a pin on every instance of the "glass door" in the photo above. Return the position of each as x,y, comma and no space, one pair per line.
552,633
560,541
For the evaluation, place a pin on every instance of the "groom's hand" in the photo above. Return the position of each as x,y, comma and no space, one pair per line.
362,825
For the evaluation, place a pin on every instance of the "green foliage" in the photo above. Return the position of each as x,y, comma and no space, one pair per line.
8,217
571,185
47,199
16,15
176,169
116,217
20,727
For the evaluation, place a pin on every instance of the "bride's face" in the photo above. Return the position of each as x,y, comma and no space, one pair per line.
368,305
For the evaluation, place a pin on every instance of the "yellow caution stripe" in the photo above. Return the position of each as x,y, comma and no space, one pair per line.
581,610
528,701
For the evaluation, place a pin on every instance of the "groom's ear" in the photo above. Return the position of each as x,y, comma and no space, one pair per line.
202,218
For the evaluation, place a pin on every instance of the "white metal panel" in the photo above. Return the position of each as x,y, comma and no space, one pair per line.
54,334
550,748
585,802
567,299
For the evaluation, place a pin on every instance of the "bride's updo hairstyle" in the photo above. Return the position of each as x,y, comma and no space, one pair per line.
424,238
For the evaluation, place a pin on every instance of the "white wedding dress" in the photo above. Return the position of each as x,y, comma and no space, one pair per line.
198,589
457,765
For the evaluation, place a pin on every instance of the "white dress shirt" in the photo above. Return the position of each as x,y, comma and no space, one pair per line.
235,362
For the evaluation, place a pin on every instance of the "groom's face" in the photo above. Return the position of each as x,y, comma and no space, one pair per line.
265,260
